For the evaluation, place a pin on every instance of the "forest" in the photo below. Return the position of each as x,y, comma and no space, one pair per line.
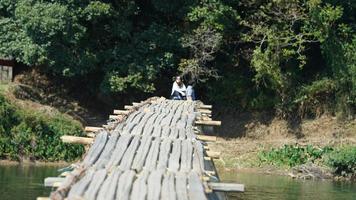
296,57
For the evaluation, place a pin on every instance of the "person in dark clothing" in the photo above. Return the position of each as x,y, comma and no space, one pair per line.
190,91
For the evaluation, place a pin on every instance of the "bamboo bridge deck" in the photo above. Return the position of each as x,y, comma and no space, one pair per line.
150,151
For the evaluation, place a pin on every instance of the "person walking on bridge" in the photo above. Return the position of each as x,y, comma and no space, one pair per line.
178,89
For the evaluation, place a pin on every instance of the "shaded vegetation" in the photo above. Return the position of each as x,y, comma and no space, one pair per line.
33,134
296,57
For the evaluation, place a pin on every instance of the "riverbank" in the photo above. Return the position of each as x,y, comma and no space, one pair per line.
30,131
244,152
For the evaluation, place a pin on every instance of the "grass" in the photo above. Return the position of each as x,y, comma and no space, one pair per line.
4,87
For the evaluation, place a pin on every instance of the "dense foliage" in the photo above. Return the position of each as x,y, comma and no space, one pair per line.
294,56
341,159
35,135
293,155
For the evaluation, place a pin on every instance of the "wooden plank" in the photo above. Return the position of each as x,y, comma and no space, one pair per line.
108,190
141,154
139,188
154,185
208,123
96,149
174,133
107,153
198,157
92,129
129,154
181,186
152,157
174,157
195,188
164,154
168,187
119,151
76,139
125,184
226,187
187,156
95,184
78,189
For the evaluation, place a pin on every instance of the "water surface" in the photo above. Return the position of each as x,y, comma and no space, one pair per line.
273,187
24,182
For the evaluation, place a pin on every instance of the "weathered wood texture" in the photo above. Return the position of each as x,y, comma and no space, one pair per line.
152,154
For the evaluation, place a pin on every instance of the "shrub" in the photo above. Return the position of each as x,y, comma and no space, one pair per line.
343,160
292,155
36,135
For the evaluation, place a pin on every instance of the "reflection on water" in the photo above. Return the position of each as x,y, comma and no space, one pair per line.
24,182
273,187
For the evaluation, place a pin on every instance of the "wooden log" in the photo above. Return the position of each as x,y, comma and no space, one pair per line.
121,112
207,138
205,106
64,174
213,154
208,123
76,140
92,129
226,187
210,173
127,107
51,181
91,135
114,117
204,111
42,198
136,104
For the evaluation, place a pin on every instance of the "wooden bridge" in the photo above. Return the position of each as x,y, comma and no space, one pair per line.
152,150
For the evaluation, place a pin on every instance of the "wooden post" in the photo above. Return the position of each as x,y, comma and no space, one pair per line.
76,139
208,123
227,187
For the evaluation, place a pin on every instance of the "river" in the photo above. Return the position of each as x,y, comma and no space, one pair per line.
26,182
276,187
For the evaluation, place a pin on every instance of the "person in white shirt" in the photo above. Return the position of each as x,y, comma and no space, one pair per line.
178,89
